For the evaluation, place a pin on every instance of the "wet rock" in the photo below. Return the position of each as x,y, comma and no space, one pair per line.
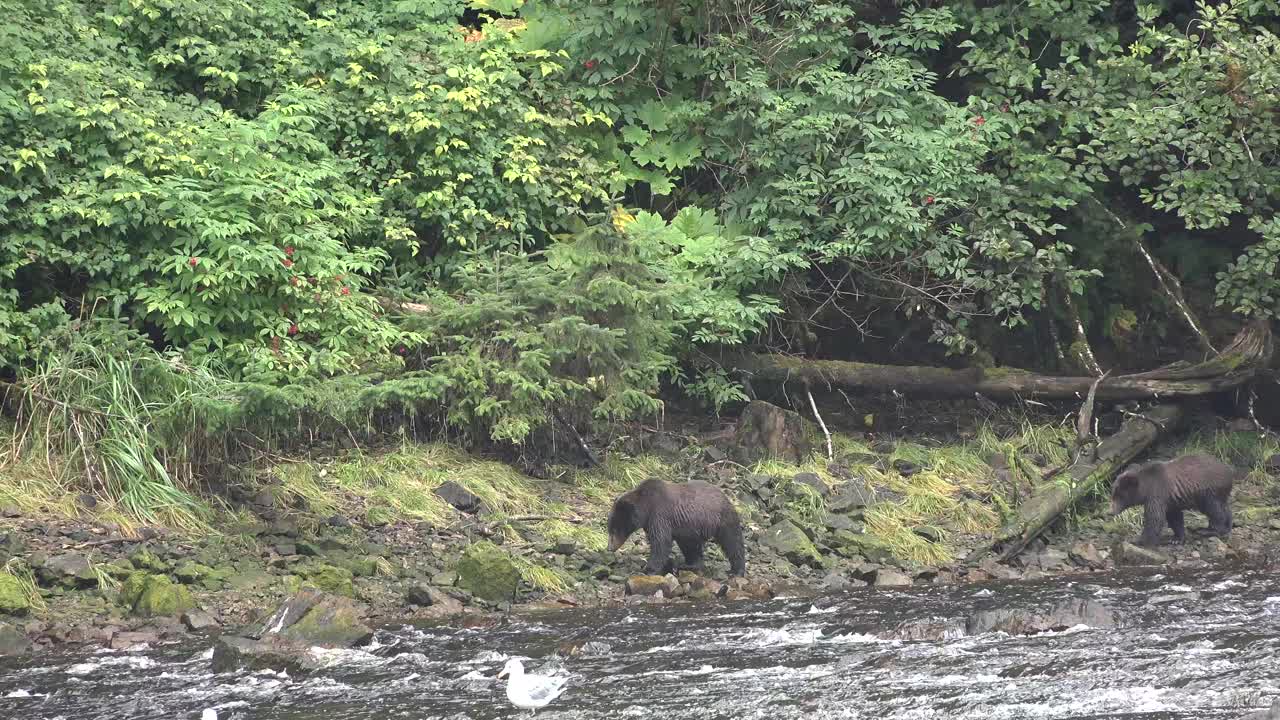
714,455
767,431
285,548
459,497
646,585
814,481
848,544
1050,559
1063,615
584,649
1172,598
999,571
315,618
928,532
931,630
426,596
739,588
13,596
69,570
1129,555
835,582
1086,555
199,621
445,579
1272,713
702,589
130,640
756,481
236,653
564,547
488,572
883,447
888,577
155,595
790,542
13,642
906,468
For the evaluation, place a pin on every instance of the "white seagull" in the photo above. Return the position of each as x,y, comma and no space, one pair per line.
530,692
209,714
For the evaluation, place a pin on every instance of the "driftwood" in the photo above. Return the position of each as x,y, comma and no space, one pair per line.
1236,365
1054,497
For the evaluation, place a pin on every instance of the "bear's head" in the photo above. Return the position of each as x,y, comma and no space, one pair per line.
623,520
1127,490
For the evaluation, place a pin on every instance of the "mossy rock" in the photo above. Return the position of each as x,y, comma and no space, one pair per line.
190,573
155,595
331,579
144,559
488,572
793,544
13,596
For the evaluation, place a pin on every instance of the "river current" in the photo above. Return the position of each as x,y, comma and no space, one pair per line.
1188,646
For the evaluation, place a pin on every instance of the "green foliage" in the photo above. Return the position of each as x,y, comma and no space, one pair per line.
588,327
251,185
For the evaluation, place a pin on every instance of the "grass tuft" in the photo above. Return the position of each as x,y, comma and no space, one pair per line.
547,579
20,571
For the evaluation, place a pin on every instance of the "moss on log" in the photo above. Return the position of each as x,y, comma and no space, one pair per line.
1240,362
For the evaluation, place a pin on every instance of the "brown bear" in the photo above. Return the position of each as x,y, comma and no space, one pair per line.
1165,489
690,515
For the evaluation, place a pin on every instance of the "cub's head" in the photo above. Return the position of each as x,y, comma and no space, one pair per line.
624,519
1127,491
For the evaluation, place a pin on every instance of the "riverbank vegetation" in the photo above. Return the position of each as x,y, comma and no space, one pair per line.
239,239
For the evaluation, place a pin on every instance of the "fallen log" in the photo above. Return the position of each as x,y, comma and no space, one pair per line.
1249,353
1056,496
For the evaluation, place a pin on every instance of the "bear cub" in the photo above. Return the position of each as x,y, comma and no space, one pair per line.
1165,489
689,515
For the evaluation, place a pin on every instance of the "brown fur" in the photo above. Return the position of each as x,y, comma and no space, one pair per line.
689,515
1165,489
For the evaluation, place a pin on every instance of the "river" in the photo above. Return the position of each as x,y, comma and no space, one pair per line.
1198,646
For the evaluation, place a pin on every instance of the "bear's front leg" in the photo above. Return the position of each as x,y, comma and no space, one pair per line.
1153,520
659,549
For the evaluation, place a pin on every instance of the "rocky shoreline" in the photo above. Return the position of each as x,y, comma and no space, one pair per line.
84,582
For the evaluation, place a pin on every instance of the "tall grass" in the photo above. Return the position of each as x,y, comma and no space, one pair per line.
109,417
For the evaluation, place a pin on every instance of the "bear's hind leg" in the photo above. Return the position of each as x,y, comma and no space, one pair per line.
692,552
1177,524
1152,523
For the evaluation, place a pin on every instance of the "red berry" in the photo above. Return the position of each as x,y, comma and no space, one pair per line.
346,291
589,64
193,261
288,250
979,121
401,350
928,199
288,262
294,281
293,329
